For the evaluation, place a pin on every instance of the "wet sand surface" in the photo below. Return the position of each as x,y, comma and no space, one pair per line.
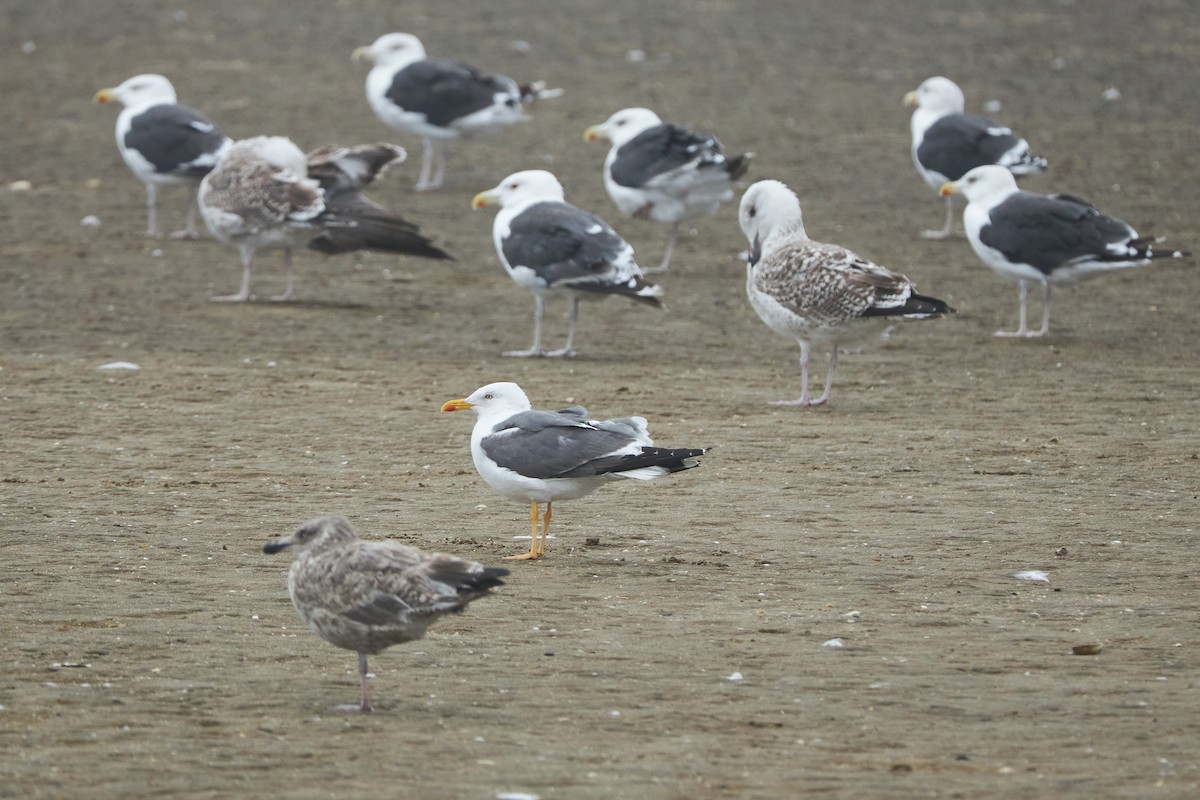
148,648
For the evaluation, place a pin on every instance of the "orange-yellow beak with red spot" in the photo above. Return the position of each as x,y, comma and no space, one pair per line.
457,405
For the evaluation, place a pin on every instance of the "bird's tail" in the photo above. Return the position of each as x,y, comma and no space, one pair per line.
536,90
737,165
1146,247
372,227
654,462
1028,164
465,580
917,306
635,288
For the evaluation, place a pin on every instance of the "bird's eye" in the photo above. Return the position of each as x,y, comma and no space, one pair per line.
511,186
620,122
488,396
753,212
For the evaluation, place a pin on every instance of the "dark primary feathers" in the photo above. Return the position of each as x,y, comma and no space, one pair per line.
663,148
445,90
351,220
1051,231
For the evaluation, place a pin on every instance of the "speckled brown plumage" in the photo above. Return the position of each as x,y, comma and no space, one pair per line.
367,596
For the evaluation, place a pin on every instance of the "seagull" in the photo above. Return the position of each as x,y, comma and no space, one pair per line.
265,192
818,294
544,456
439,100
164,143
367,596
551,247
1048,239
946,143
665,172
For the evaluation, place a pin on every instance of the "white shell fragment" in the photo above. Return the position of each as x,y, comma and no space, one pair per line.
735,677
1031,575
1111,94
517,796
20,186
992,107
833,644
119,365
90,221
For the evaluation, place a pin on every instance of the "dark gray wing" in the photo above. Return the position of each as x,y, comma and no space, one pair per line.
661,149
1048,231
549,444
957,143
562,243
176,139
445,91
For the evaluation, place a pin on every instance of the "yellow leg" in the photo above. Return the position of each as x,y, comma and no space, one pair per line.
546,527
533,538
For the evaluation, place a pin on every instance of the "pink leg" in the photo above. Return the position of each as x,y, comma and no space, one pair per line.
288,293
364,703
244,293
1022,328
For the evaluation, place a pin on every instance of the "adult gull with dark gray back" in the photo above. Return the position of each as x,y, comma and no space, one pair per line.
163,142
439,100
665,172
553,248
544,456
817,294
366,596
947,143
1045,239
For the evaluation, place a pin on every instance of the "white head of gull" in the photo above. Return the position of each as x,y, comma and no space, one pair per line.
817,294
544,456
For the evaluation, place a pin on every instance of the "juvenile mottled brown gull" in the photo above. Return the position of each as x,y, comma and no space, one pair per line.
367,596
265,192
946,143
552,248
164,143
544,456
1048,239
665,172
817,294
439,100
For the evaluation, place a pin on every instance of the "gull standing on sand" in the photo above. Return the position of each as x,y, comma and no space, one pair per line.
946,143
367,596
544,456
1046,239
265,192
817,294
164,143
553,248
665,172
439,100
